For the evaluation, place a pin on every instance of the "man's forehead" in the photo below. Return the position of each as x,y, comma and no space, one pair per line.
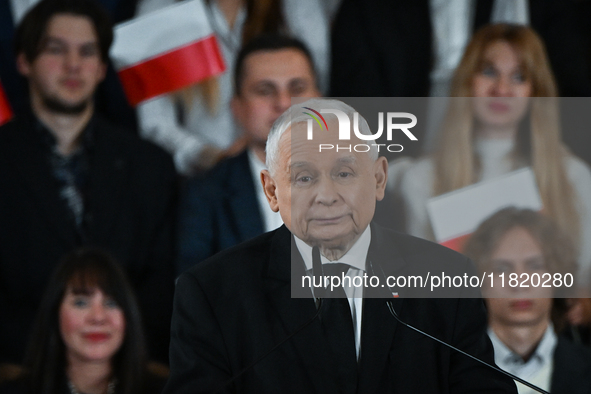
68,27
344,160
267,64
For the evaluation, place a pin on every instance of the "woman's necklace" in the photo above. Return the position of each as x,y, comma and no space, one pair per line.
110,387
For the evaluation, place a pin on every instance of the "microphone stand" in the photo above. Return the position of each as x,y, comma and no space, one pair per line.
393,313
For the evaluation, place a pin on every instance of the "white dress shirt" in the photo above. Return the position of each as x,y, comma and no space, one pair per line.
356,258
536,370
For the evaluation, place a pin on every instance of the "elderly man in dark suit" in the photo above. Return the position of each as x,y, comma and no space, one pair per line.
236,327
69,178
227,205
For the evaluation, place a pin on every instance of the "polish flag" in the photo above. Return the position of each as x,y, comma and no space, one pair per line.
5,110
166,50
456,215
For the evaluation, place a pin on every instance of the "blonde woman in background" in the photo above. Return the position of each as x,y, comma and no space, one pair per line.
195,125
493,127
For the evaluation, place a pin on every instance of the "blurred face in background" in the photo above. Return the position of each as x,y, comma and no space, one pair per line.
500,88
271,79
92,325
517,252
65,74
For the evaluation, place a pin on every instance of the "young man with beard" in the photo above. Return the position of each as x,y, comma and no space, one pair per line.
70,178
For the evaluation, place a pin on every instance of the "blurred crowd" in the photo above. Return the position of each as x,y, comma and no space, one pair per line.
103,205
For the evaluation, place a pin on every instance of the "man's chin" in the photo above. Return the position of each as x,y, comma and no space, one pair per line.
341,241
61,107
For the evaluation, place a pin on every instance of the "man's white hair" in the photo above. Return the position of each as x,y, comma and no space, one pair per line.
295,115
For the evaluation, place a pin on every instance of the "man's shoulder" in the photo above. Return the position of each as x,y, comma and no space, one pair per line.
120,135
228,177
248,257
117,140
573,352
227,170
422,268
18,127
413,248
572,367
239,271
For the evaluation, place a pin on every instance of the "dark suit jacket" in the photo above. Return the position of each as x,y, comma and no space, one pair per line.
217,211
233,308
572,368
384,49
129,212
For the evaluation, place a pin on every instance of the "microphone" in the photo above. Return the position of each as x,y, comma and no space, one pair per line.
528,384
393,313
316,269
317,273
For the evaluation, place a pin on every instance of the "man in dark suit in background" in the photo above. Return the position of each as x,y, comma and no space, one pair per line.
236,327
69,178
227,205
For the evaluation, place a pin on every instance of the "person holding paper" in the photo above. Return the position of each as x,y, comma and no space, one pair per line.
503,116
520,323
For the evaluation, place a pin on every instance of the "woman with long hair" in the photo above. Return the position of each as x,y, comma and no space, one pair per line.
504,116
88,335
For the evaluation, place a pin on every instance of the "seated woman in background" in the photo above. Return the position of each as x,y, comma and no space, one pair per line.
524,321
88,336
504,117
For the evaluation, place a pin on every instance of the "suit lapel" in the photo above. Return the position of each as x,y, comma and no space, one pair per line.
379,326
308,344
243,200
108,179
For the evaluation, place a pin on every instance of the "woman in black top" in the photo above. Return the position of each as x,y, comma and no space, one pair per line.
88,337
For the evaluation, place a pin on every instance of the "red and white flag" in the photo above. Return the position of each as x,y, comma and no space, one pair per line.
166,50
456,215
5,109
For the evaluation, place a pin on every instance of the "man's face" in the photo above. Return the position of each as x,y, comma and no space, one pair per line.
518,252
65,74
271,79
326,199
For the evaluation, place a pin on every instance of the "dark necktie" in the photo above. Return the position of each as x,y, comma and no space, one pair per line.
337,324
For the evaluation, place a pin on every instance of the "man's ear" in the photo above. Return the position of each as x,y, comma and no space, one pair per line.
381,174
22,65
270,189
